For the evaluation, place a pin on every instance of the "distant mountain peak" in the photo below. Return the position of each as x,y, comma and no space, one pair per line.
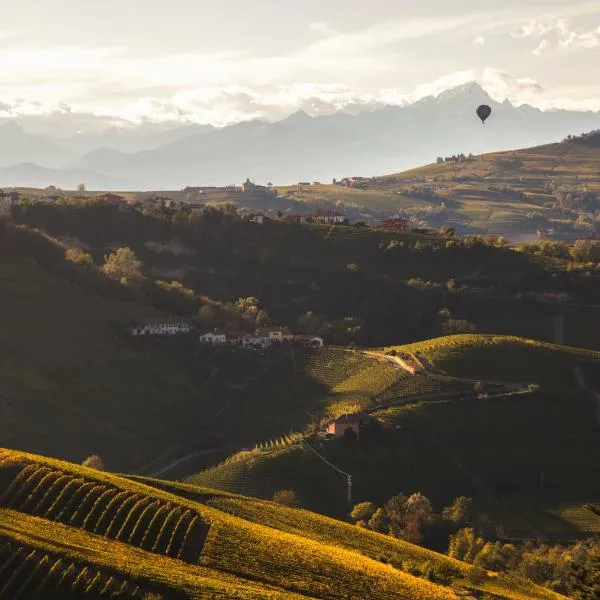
11,128
472,89
298,117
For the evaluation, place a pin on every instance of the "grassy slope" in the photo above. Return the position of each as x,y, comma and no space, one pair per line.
270,560
90,391
438,447
329,531
474,204
504,359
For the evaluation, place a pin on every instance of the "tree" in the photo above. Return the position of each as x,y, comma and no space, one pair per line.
286,498
417,513
447,231
262,318
585,251
586,580
460,511
207,317
465,545
458,326
81,187
94,462
79,257
380,521
123,265
362,512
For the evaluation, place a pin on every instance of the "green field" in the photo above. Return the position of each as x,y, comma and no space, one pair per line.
83,533
475,205
447,444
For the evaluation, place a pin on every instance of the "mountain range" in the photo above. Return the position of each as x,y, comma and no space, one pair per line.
300,147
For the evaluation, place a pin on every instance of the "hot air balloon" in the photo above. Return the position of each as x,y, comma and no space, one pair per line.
483,112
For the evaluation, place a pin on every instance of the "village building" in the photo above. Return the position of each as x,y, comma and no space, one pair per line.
330,217
196,208
158,202
544,234
274,334
110,198
215,337
396,224
9,198
50,198
353,422
161,327
301,219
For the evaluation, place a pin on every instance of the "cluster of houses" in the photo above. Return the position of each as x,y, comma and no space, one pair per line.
264,337
9,198
325,217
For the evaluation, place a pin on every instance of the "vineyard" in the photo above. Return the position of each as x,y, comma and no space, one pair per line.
504,359
106,510
86,542
30,573
330,531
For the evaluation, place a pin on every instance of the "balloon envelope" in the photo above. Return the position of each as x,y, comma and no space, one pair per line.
483,112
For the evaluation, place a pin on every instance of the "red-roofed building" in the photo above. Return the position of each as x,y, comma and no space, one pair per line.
396,224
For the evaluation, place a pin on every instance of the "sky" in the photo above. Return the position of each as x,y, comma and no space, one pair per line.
229,60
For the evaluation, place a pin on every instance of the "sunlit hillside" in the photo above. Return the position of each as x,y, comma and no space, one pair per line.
83,533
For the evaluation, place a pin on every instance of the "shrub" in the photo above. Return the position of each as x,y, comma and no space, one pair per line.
94,462
286,498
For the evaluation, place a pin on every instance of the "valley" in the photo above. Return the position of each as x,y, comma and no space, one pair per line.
247,383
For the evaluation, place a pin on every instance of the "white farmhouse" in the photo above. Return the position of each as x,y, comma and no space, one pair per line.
213,338
161,327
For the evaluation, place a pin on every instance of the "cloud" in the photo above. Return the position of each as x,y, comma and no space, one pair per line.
388,33
540,47
561,32
501,86
479,41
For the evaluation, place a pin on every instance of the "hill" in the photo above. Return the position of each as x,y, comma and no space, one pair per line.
507,194
438,436
132,401
83,533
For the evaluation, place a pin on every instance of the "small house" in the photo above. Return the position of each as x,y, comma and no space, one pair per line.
353,422
161,327
274,334
9,198
396,224
110,199
330,217
214,338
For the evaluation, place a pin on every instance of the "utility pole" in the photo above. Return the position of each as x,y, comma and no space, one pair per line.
346,475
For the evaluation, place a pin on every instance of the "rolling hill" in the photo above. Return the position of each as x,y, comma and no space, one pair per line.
437,435
501,193
82,533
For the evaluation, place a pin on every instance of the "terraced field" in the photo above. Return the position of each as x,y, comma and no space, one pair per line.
106,510
56,554
33,573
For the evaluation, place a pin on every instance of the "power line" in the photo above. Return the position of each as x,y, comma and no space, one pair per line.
347,475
